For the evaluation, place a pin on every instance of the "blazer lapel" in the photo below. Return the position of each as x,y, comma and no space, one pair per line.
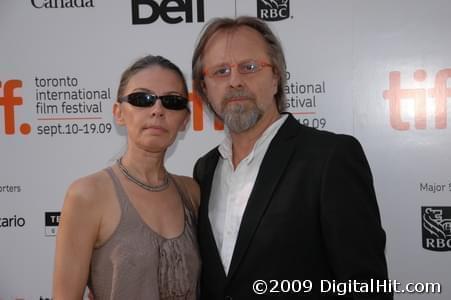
271,170
206,237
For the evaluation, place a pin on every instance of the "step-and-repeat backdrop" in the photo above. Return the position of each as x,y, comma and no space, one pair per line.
376,69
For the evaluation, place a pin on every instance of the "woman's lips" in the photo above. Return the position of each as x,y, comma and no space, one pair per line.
156,129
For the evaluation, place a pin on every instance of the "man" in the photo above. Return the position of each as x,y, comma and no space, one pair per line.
280,201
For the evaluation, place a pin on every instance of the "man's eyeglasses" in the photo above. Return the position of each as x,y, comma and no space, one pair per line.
142,99
246,67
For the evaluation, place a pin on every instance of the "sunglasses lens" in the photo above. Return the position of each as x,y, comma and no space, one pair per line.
174,102
141,99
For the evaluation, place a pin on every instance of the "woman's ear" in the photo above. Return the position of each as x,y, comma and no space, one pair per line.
118,114
185,122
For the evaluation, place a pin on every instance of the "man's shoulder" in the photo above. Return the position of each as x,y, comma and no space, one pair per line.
320,138
205,162
214,152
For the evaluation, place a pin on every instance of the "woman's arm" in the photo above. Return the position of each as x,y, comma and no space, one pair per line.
76,237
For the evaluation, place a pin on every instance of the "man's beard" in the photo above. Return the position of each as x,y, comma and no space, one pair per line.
240,116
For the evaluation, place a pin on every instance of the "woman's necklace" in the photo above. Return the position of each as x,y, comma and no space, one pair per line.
152,188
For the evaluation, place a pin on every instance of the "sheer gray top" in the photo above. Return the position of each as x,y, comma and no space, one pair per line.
138,263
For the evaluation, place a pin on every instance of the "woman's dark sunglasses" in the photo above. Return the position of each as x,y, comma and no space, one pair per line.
141,99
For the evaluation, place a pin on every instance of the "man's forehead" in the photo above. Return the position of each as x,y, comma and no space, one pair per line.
230,34
243,42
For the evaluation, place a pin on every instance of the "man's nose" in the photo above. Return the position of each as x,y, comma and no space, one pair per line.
235,78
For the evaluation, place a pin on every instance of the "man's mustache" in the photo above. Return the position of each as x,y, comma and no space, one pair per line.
233,94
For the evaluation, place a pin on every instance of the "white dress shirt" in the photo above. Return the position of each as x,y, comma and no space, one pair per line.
231,190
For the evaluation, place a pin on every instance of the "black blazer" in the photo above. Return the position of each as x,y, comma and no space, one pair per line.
312,215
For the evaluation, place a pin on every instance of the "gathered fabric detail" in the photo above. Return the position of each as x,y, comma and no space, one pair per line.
173,272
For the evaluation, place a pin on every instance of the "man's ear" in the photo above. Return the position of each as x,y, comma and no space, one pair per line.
203,86
118,114
275,82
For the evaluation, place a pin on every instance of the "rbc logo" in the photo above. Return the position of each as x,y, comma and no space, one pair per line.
9,100
273,10
440,92
164,9
436,228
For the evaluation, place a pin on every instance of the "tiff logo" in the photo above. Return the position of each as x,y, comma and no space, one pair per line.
436,228
273,10
170,11
198,114
9,100
52,220
440,92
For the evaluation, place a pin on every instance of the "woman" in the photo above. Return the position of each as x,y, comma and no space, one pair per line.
128,231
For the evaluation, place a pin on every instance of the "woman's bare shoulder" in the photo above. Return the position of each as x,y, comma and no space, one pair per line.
191,187
88,191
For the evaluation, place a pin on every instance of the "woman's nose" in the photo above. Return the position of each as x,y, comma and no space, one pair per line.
157,109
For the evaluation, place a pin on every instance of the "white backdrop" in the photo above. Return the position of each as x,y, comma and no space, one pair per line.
379,70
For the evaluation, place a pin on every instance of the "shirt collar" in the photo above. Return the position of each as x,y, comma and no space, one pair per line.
225,148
